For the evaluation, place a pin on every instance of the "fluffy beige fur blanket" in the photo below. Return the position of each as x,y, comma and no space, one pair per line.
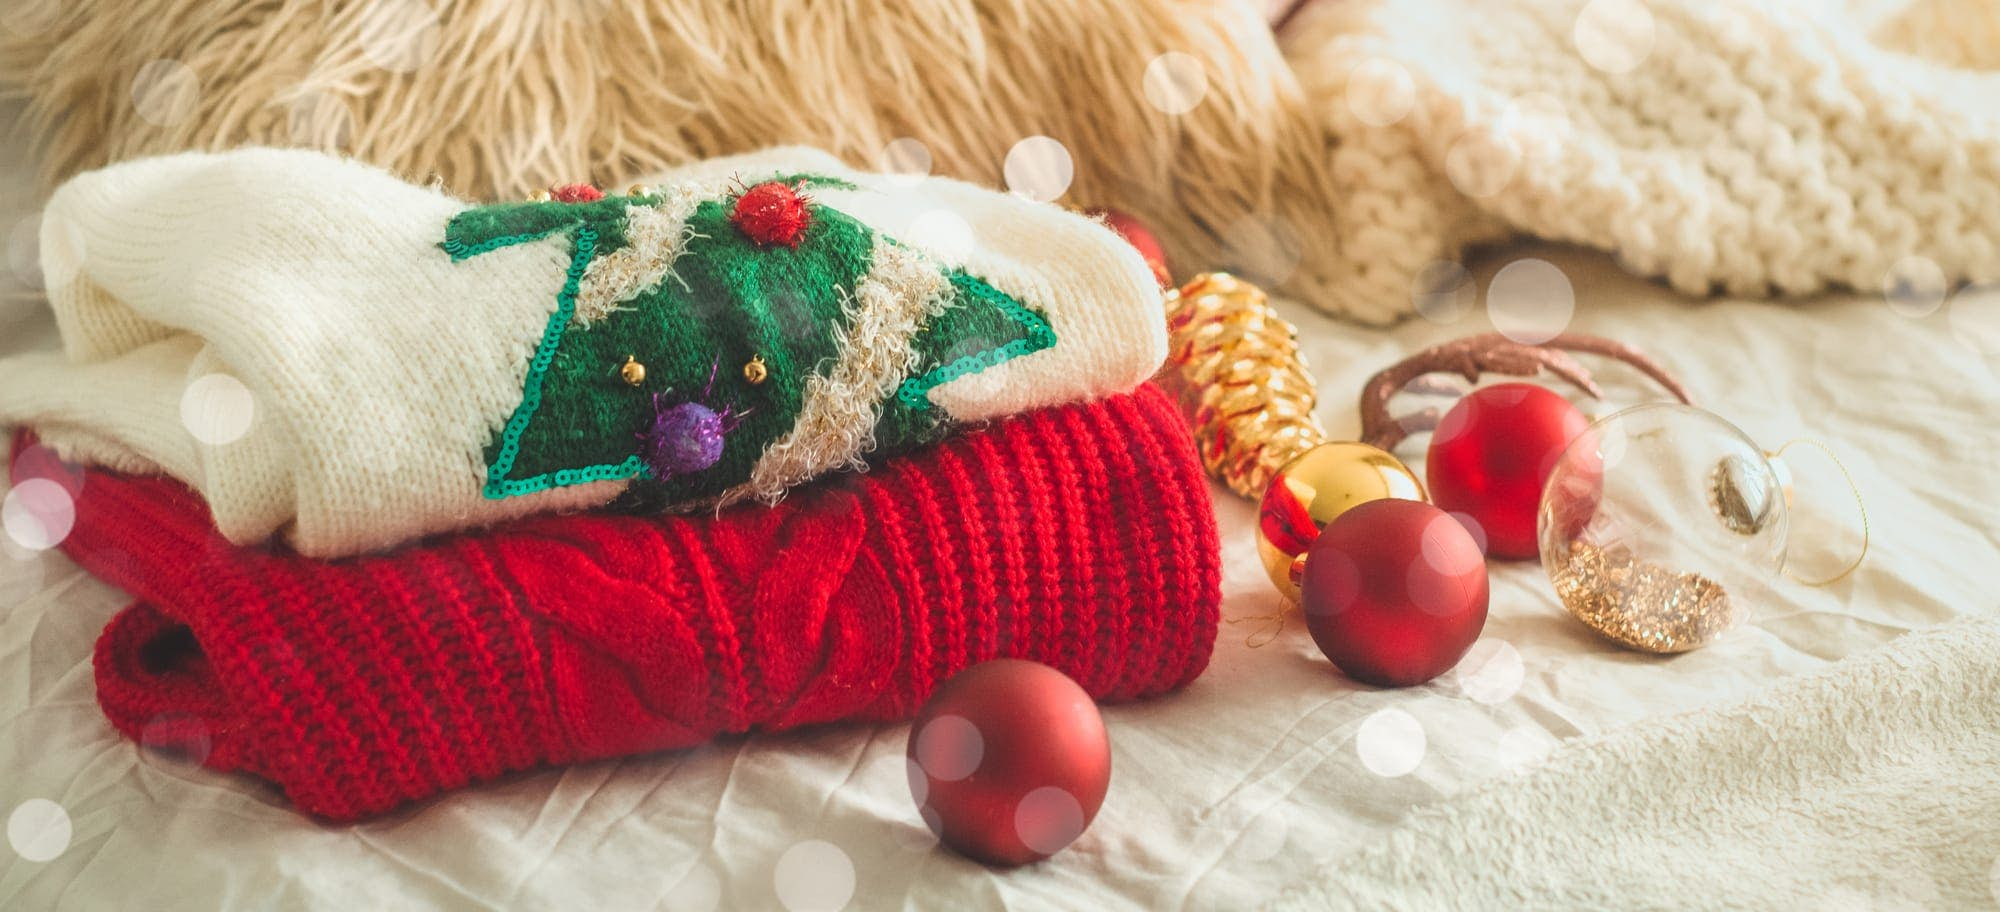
1772,147
1869,786
497,97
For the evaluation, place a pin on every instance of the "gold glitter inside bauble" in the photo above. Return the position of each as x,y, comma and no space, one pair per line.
1641,604
1660,524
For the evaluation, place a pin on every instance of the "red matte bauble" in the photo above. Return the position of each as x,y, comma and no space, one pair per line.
1491,454
1142,239
1394,592
1009,761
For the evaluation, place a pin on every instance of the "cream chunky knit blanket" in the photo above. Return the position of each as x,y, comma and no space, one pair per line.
1751,148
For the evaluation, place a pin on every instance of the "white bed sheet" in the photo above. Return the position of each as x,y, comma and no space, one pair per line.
1222,794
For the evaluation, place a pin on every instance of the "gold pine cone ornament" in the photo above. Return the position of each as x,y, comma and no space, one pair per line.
1239,372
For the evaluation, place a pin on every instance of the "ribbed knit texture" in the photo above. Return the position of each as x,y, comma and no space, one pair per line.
1080,536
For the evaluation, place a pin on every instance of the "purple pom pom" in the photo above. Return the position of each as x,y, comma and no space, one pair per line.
684,439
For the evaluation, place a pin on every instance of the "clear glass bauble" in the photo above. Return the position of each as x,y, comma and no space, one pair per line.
1660,526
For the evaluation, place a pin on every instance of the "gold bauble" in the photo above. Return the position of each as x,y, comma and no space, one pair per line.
1313,490
754,370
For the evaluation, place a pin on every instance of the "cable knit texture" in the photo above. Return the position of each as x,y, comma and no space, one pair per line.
363,684
375,368
1750,148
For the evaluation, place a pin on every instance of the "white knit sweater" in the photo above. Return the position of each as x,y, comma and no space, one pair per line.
1752,148
281,331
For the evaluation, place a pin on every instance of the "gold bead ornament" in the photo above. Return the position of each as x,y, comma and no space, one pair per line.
754,370
632,372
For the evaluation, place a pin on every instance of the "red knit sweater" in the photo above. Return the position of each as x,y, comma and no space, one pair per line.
1079,536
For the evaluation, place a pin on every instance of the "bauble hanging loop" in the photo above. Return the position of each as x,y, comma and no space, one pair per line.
1777,459
1491,452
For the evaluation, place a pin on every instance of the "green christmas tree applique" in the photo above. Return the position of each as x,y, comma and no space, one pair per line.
757,274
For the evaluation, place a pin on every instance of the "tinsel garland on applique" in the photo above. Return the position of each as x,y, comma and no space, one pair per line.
805,352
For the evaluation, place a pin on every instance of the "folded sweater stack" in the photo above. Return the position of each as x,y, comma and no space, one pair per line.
426,624
333,355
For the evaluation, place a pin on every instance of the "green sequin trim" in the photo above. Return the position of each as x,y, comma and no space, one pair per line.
460,251
498,485
915,392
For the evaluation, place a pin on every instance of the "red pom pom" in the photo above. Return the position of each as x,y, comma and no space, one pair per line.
1491,454
772,214
576,193
1141,238
1394,592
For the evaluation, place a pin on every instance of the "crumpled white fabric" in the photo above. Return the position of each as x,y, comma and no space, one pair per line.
1875,784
